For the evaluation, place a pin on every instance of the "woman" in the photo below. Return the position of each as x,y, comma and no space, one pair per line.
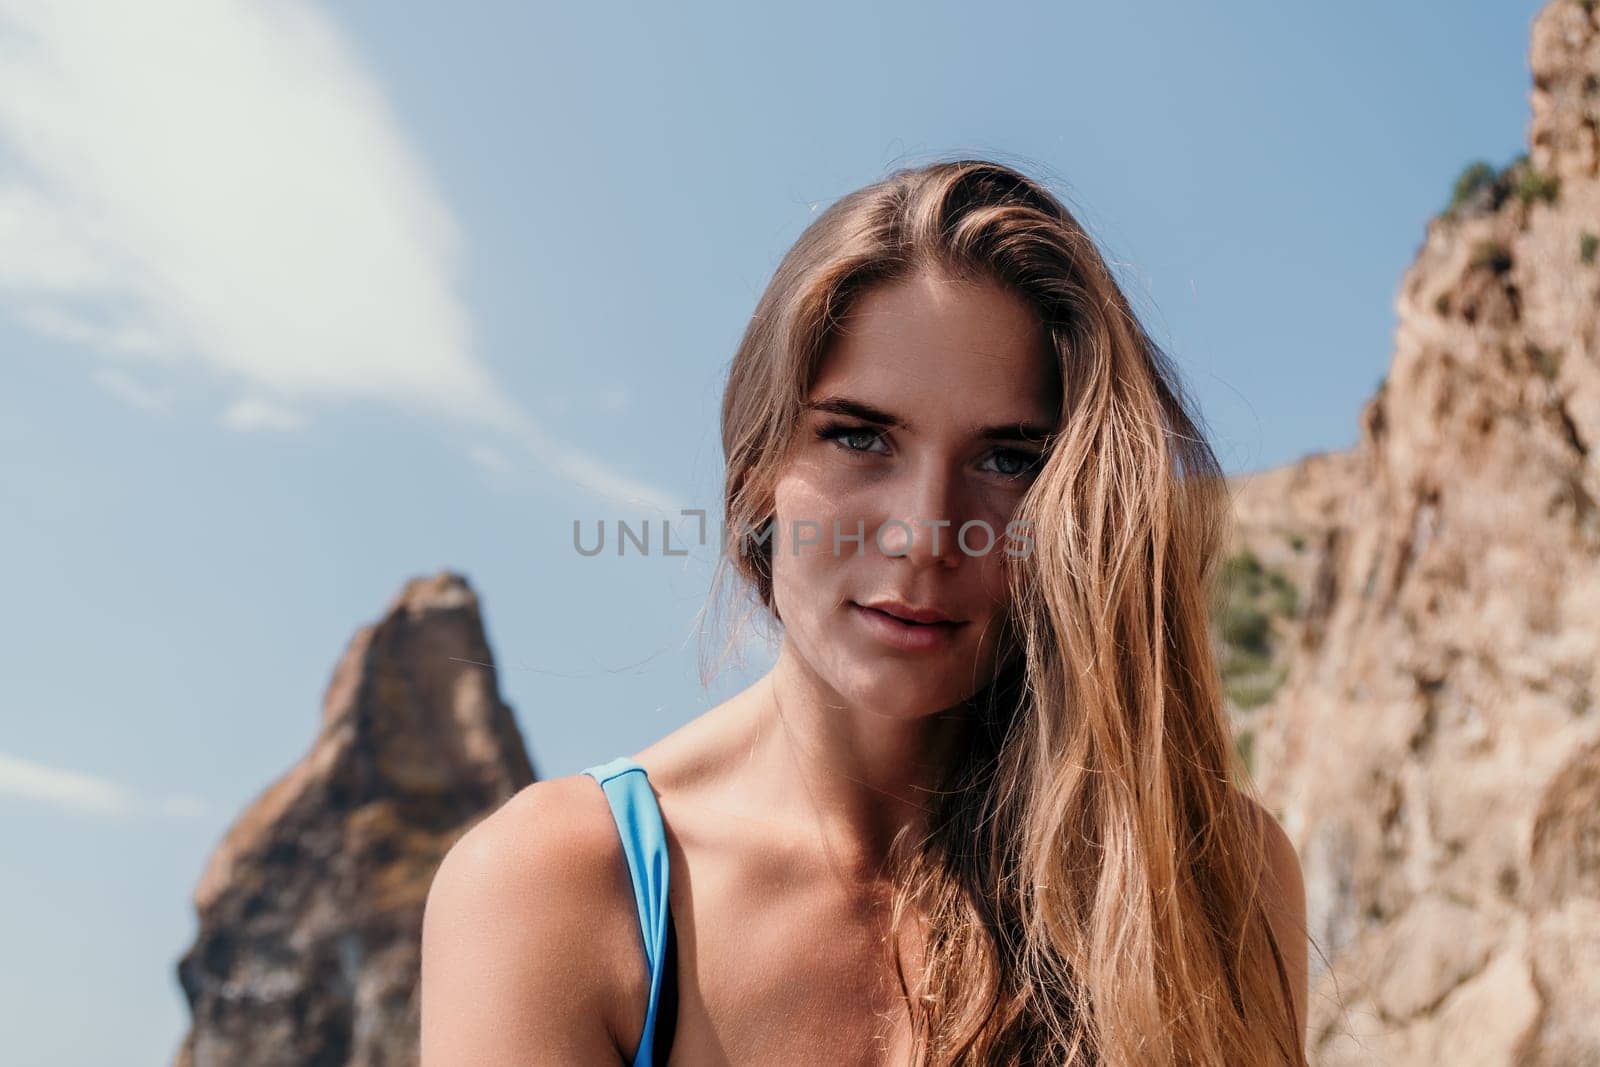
982,810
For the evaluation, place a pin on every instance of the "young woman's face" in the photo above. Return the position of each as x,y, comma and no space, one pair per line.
927,416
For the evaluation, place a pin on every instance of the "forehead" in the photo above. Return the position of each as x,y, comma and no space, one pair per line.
965,350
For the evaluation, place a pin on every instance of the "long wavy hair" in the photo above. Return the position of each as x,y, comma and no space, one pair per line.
1087,887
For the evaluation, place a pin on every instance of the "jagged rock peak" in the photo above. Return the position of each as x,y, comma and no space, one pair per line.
311,907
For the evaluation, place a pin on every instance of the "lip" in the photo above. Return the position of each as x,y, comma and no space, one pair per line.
906,613
907,636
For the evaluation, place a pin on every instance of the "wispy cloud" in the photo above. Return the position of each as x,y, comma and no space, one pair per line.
133,392
87,794
222,182
582,469
490,459
250,415
125,338
610,401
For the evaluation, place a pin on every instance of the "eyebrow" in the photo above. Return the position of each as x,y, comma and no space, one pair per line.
860,409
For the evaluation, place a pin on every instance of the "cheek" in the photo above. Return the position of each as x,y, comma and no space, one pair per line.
991,581
806,568
987,544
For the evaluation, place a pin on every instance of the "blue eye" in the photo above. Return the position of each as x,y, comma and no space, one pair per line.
842,432
1026,461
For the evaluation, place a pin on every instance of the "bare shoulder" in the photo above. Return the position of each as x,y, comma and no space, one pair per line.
1284,892
529,935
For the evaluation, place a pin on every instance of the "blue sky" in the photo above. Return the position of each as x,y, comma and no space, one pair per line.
299,300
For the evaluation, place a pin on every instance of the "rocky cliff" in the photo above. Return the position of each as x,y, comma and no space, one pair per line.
311,908
1434,744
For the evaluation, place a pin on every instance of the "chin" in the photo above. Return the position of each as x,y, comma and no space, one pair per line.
899,693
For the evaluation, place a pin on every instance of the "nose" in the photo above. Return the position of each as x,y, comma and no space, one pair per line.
922,520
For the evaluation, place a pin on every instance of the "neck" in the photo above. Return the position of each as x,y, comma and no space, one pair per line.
861,776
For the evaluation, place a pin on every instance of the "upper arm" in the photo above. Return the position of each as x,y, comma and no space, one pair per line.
515,938
1285,897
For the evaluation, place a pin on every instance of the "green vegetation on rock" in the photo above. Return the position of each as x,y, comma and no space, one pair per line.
1480,186
1534,185
1249,597
1478,175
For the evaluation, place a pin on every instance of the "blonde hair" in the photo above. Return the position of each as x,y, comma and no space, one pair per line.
1110,911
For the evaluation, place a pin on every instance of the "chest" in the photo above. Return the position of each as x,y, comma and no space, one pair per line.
784,970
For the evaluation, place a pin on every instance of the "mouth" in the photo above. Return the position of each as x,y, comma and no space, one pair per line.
905,634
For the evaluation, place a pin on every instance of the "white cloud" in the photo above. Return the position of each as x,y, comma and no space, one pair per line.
228,171
39,248
584,470
124,338
251,415
490,459
87,794
222,181
133,392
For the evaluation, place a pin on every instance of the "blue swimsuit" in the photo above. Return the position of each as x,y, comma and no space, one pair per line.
644,843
